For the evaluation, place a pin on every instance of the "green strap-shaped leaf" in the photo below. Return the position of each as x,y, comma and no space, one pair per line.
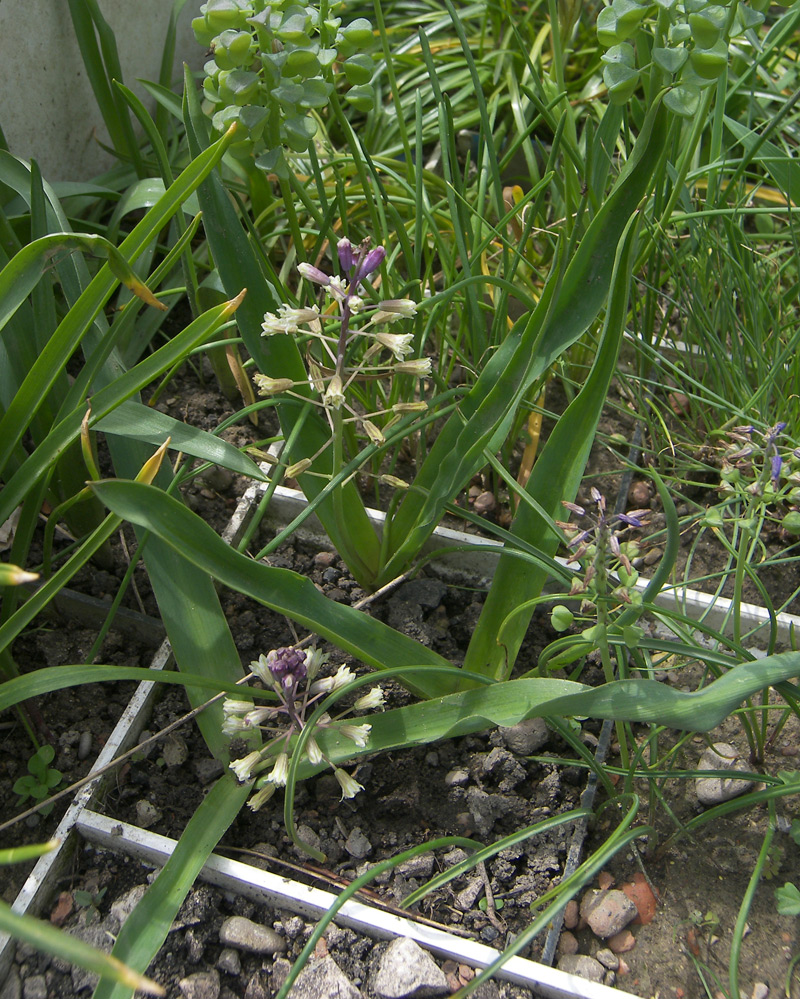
281,589
563,315
141,423
555,477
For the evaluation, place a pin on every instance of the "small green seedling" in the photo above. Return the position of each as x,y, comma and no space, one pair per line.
89,901
40,780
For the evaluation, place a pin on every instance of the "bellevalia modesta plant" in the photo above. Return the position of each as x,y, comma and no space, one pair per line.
570,303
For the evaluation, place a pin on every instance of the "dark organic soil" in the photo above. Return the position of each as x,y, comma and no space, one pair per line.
409,796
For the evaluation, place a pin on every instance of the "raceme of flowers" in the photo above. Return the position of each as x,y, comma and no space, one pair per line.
291,674
350,317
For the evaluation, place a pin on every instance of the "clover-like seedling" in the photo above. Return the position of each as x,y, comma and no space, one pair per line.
40,780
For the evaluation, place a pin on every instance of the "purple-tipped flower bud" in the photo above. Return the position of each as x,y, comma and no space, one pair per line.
313,274
775,475
287,666
347,258
371,262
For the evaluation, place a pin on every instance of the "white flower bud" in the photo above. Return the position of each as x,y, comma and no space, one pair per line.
280,771
373,432
359,734
409,407
400,344
374,699
272,386
349,785
243,768
261,797
298,468
334,396
421,367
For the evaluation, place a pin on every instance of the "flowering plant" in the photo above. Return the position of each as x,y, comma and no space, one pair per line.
291,674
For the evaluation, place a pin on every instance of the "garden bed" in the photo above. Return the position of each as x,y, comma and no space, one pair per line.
473,786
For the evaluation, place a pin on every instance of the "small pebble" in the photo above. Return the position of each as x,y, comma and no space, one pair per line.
608,959
567,943
583,965
607,912
323,560
571,914
244,934
715,790
146,814
203,985
228,961
760,990
621,942
357,844
85,745
525,737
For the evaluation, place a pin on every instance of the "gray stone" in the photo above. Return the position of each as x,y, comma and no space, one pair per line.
525,737
11,988
761,990
281,969
146,814
420,866
608,959
607,911
122,907
35,987
583,965
244,934
427,593
194,946
468,896
228,961
357,844
715,790
202,985
309,836
255,987
455,778
174,751
323,979
405,970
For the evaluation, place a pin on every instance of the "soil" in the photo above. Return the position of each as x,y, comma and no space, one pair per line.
471,786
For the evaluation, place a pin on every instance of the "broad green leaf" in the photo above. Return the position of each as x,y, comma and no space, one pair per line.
138,422
564,312
284,591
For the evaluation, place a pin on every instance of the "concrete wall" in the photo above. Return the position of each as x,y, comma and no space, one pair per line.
47,108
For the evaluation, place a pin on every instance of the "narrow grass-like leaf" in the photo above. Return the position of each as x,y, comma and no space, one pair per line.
66,338
107,399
